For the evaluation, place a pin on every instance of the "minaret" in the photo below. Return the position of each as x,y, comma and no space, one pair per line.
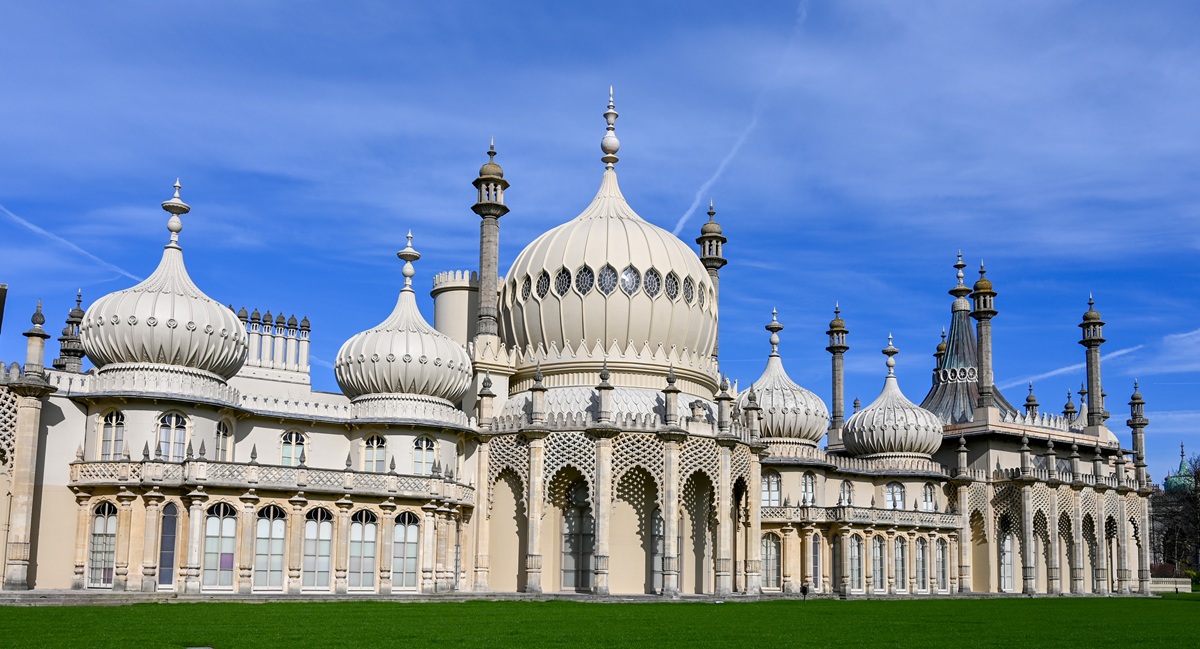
70,349
1137,423
1069,408
837,349
985,310
1031,403
490,207
1093,337
711,242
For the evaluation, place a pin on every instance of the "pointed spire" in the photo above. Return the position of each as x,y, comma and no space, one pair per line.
409,255
610,144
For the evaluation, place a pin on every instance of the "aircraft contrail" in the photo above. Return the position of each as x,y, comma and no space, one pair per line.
69,244
1068,369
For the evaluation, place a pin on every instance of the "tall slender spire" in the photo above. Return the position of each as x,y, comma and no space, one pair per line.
712,243
1093,337
489,205
837,348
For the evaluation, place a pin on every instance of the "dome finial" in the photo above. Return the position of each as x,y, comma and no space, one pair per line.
774,326
610,144
712,212
176,207
409,256
890,351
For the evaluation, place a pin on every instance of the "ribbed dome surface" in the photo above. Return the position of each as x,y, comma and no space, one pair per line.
788,410
165,319
403,354
892,425
609,276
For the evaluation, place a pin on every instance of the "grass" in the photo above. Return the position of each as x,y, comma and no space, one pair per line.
1007,623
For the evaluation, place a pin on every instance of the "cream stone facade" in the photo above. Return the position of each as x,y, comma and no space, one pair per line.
562,427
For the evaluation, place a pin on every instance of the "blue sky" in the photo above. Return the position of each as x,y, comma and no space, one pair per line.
851,148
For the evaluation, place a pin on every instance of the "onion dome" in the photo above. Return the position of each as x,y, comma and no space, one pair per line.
403,354
892,425
490,168
165,319
612,280
788,410
1183,481
711,227
983,284
1091,315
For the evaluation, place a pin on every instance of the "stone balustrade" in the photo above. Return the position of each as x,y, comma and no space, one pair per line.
867,516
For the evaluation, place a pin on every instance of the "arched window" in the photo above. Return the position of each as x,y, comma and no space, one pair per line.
166,544
423,454
943,565
224,442
846,494
771,561
103,553
220,528
375,454
878,563
929,498
293,449
893,496
901,564
112,436
318,540
269,537
808,489
816,562
404,551
856,562
172,436
578,537
922,557
1006,562
362,551
770,488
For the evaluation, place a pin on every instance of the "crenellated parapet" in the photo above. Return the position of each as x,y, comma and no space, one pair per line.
278,346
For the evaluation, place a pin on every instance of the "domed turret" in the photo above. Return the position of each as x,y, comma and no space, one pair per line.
403,354
165,319
788,410
892,425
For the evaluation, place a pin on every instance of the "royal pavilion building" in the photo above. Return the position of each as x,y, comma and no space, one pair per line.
561,427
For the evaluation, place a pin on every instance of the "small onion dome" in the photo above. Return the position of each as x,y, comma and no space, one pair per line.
892,425
490,168
941,347
837,324
165,319
1183,481
1091,315
403,354
788,410
983,284
711,227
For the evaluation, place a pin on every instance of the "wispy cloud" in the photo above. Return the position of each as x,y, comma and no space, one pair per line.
1176,353
1068,369
67,244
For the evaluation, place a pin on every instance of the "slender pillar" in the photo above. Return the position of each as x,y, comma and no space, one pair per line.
1077,544
246,530
724,527
791,548
295,549
1144,546
890,562
1122,549
965,541
533,555
427,548
124,526
387,539
754,524
82,518
603,507
807,575
482,514
444,561
671,443
1101,567
1028,557
195,545
341,545
150,539
1054,578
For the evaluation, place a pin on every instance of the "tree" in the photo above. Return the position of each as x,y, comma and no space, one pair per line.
1175,522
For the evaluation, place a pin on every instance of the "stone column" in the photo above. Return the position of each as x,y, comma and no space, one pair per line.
806,570
1076,545
965,542
791,547
533,553
952,559
910,559
124,526
427,548
1054,576
444,561
1122,549
29,390
387,533
82,518
1028,556
150,549
295,549
724,527
671,442
603,511
1101,567
890,561
341,545
754,543
246,530
1144,546
483,514
845,561
195,544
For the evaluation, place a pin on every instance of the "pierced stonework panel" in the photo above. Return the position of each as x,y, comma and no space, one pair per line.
569,449
637,450
1041,497
1110,505
699,454
8,425
507,452
1087,503
1007,500
977,497
739,464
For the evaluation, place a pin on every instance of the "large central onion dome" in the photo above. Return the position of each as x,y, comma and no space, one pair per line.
892,425
403,354
165,319
611,283
788,410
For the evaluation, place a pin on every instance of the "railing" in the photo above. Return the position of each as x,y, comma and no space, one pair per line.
194,473
1112,479
783,449
861,515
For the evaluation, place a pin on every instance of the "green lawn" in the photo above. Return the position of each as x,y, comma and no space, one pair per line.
959,624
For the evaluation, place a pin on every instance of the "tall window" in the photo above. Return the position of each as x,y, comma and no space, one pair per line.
770,488
404,551
293,449
856,559
374,454
269,536
224,442
846,494
878,563
112,436
220,527
901,564
929,498
423,450
172,436
816,562
893,496
808,489
578,536
943,565
771,558
1006,562
362,550
318,541
922,557
166,545
104,546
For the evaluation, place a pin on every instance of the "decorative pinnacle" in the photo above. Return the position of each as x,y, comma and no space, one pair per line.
604,373
712,212
671,375
890,351
176,207
537,374
409,256
774,326
610,144
38,319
